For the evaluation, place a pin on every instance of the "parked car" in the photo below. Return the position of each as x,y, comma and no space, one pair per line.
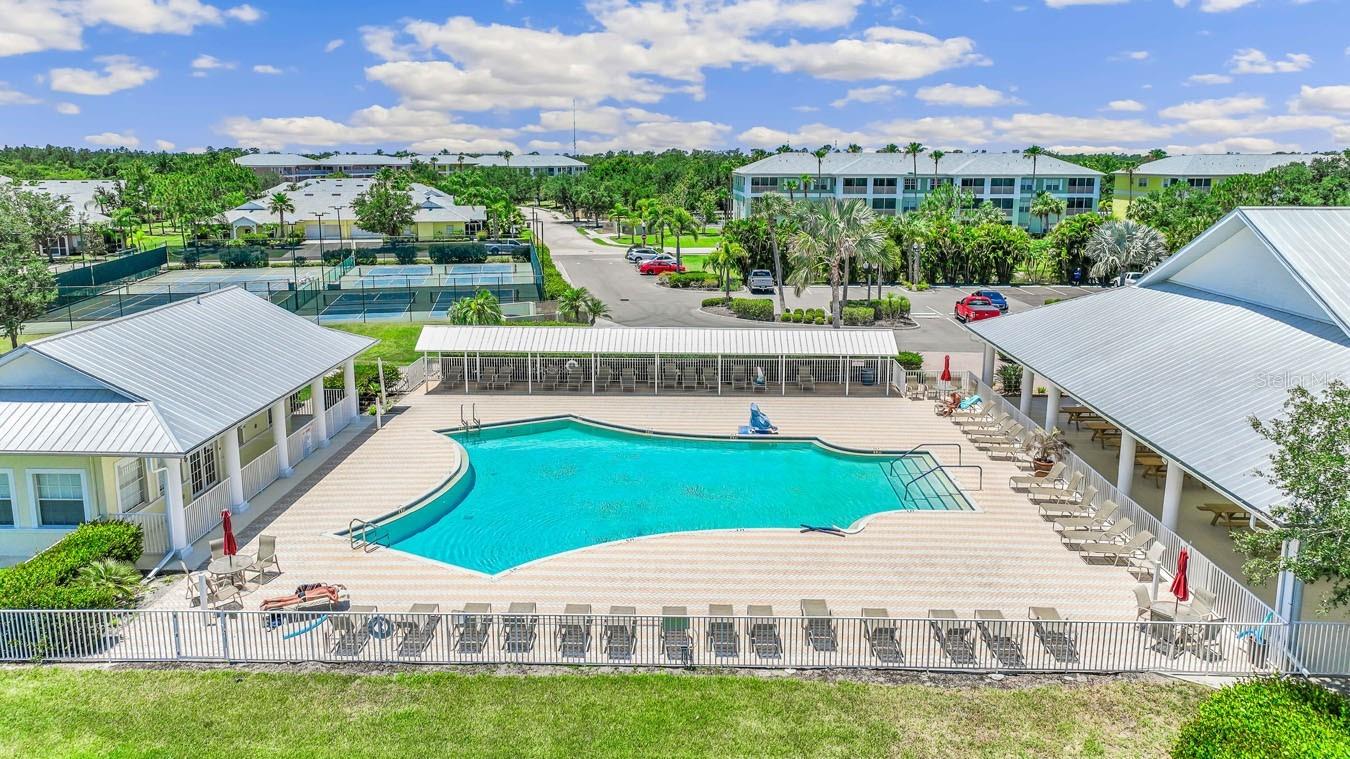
1129,278
973,308
994,297
760,280
507,245
639,255
660,265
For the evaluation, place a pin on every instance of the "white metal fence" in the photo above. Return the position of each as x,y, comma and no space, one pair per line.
260,472
154,530
203,513
976,645
300,443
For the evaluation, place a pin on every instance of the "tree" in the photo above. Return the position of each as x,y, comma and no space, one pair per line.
280,204
723,260
572,301
854,147
27,285
385,208
619,213
998,247
820,154
481,309
679,221
1069,240
831,233
775,210
891,147
1045,205
1033,152
1311,467
49,218
912,150
124,220
594,307
1126,245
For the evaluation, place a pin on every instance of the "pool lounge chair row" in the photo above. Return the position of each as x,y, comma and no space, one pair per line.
1001,639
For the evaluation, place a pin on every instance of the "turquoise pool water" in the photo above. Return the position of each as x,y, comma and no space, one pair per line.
538,489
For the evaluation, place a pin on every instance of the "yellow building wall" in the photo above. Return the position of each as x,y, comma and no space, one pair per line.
1123,191
433,230
27,537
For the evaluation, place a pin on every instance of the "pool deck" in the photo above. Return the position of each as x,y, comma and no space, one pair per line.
1004,556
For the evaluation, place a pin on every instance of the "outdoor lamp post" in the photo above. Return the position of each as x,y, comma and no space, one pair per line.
319,216
338,211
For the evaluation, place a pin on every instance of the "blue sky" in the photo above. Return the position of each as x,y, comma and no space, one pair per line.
1186,75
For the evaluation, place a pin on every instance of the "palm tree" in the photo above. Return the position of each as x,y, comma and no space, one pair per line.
937,156
619,213
118,578
280,204
774,209
124,219
891,147
1034,153
854,147
1124,245
506,154
791,186
1157,154
1044,206
481,309
572,301
646,214
830,234
679,221
820,154
912,150
723,259
594,308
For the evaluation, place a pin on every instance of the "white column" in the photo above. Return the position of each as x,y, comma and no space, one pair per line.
320,418
349,385
173,506
1171,508
1051,406
1028,388
987,371
234,471
279,414
1288,588
1125,469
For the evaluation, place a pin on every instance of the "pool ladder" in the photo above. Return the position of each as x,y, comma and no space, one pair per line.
470,423
943,468
358,535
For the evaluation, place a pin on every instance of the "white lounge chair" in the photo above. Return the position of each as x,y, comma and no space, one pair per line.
1097,521
1134,547
1115,533
1045,478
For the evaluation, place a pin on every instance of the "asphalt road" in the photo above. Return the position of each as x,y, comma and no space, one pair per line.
637,301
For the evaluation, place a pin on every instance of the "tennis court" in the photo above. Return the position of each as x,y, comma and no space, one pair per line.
172,286
384,305
437,275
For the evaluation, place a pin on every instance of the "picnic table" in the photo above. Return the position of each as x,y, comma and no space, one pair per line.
1079,414
1155,466
1233,516
1103,430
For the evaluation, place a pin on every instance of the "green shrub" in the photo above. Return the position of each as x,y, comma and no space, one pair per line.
820,320
499,259
1048,301
242,258
909,360
1011,375
921,287
334,257
695,279
405,255
367,381
1268,718
857,316
796,316
191,257
756,309
464,252
716,301
554,284
48,580
786,316
894,306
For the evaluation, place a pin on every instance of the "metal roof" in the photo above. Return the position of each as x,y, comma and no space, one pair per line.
525,161
663,340
363,159
899,164
320,195
89,422
1218,165
278,160
204,364
1182,369
80,193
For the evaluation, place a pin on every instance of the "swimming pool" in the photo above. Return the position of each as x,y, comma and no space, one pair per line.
537,489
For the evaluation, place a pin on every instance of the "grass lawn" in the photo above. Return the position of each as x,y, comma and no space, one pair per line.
221,713
686,241
397,341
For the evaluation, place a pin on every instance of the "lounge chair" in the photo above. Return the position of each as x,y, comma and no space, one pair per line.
953,636
998,637
819,625
1054,633
988,419
472,625
519,626
805,380
575,379
1118,532
628,381
986,434
670,376
764,638
1116,551
709,377
485,378
266,556
574,630
604,377
419,627
1068,504
689,379
1046,478
676,641
721,634
1098,520
1058,487
550,378
740,380
619,636
504,379
351,631
881,636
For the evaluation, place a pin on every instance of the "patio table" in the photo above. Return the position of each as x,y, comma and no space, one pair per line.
230,565
1233,516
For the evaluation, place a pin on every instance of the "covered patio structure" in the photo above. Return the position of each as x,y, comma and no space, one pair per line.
658,361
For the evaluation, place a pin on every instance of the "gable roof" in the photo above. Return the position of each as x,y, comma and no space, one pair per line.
899,164
1221,165
659,340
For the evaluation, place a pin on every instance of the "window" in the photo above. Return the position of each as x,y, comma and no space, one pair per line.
1082,184
202,469
1141,182
885,206
763,184
1052,185
855,185
1002,185
131,484
1078,205
973,186
59,497
1200,183
1003,204
6,499
883,186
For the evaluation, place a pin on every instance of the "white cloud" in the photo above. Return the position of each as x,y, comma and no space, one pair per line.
978,96
119,73
657,136
805,108
423,130
67,109
11,96
35,25
113,139
1209,79
246,13
1132,55
383,42
1212,109
1052,128
1253,61
206,62
334,45
163,145
266,68
932,130
1221,6
1125,105
877,94
884,52
1333,97
1235,145
1071,3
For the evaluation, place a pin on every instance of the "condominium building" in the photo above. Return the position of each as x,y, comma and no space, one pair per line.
1198,171
292,167
888,182
323,210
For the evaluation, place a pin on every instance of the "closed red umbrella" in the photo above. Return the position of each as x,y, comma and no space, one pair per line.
1180,585
231,547
946,368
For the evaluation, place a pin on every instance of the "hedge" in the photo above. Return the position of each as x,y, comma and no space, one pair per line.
1268,717
757,309
680,280
857,316
45,581
909,360
717,301
554,284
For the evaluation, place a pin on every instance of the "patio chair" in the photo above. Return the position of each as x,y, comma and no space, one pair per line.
1203,603
1118,532
1054,633
1151,560
266,557
519,626
915,390
351,631
1068,504
998,636
222,591
575,379
709,379
670,376
689,379
418,628
676,641
881,636
721,633
472,625
604,377
619,635
1098,520
628,381
1143,603
740,379
485,378
953,636
217,548
550,378
1008,436
1045,478
1116,551
505,377
192,584
982,434
819,625
574,630
989,418
806,382
1057,488
764,638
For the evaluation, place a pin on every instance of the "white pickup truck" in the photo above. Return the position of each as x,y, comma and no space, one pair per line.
760,280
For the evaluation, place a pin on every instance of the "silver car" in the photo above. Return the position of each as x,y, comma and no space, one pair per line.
760,280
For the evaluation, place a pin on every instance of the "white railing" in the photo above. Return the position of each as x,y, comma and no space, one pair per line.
300,443
332,396
971,645
260,472
203,514
154,530
339,416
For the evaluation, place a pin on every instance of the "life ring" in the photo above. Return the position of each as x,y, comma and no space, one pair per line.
380,627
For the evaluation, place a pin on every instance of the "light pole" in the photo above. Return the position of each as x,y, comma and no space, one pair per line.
338,210
319,215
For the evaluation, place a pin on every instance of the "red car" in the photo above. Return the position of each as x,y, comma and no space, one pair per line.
973,308
660,266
